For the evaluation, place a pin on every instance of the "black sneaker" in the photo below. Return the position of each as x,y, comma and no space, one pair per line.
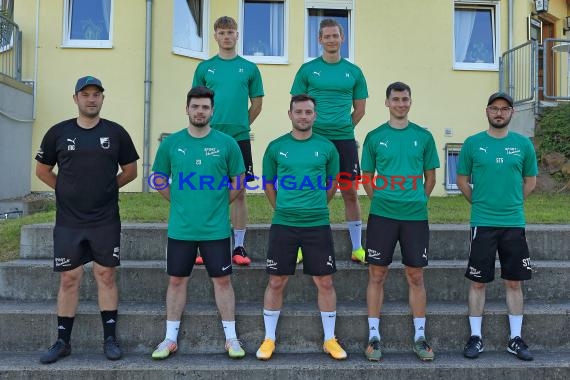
58,350
518,347
112,349
473,347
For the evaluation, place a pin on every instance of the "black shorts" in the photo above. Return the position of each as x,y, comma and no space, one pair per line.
348,158
73,247
181,255
316,243
383,233
511,244
245,147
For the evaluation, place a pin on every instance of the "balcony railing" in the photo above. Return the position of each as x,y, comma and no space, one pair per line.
10,49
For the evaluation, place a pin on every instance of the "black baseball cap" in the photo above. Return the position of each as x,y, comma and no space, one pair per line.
500,95
88,81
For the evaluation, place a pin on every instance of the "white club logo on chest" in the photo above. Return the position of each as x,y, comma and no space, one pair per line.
105,142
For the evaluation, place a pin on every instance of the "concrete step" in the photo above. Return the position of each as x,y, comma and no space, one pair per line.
147,241
31,326
552,365
147,281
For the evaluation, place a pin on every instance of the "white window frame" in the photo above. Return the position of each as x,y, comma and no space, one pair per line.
267,59
495,6
455,148
331,4
205,53
72,43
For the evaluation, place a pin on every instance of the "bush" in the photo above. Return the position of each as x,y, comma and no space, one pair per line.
554,131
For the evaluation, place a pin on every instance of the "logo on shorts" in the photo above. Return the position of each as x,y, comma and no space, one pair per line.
105,142
373,254
116,251
474,272
226,268
424,255
271,264
330,262
62,262
526,263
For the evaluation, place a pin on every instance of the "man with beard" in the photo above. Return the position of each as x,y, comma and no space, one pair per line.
300,220
204,165
87,151
502,167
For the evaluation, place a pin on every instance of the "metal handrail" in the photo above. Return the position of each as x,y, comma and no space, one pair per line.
559,60
518,72
10,48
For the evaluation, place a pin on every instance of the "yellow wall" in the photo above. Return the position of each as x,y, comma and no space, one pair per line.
410,41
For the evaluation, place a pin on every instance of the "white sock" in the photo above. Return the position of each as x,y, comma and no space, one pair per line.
270,318
239,237
475,323
515,321
373,328
420,326
329,319
229,329
355,229
172,328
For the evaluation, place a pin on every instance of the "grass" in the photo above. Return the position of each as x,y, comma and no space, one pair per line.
138,207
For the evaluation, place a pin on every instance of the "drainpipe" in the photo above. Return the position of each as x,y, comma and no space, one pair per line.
147,83
510,22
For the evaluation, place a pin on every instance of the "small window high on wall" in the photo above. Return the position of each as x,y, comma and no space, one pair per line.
476,35
264,30
341,11
190,28
88,23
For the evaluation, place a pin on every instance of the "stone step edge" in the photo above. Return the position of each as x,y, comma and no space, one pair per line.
489,360
344,309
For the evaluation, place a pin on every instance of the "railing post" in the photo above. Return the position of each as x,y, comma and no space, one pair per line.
18,51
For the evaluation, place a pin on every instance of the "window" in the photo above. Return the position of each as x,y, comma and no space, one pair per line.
87,23
451,162
264,38
476,35
339,10
190,28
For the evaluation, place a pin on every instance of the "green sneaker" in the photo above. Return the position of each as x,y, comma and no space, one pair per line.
373,351
234,349
299,256
164,349
359,256
423,350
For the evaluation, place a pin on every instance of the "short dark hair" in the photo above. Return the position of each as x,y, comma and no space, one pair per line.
200,92
301,98
397,86
225,22
327,22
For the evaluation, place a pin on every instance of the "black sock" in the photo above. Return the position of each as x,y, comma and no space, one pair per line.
109,319
64,326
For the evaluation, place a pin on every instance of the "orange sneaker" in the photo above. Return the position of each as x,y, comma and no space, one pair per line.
239,256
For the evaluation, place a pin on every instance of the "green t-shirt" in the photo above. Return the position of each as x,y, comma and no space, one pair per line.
233,81
301,168
201,170
334,86
399,157
497,167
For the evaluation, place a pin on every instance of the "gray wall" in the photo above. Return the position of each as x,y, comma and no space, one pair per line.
16,112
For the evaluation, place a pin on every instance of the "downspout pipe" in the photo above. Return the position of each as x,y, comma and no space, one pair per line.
510,24
147,97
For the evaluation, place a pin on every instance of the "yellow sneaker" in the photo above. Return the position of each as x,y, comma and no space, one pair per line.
299,256
333,348
359,256
234,348
266,349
